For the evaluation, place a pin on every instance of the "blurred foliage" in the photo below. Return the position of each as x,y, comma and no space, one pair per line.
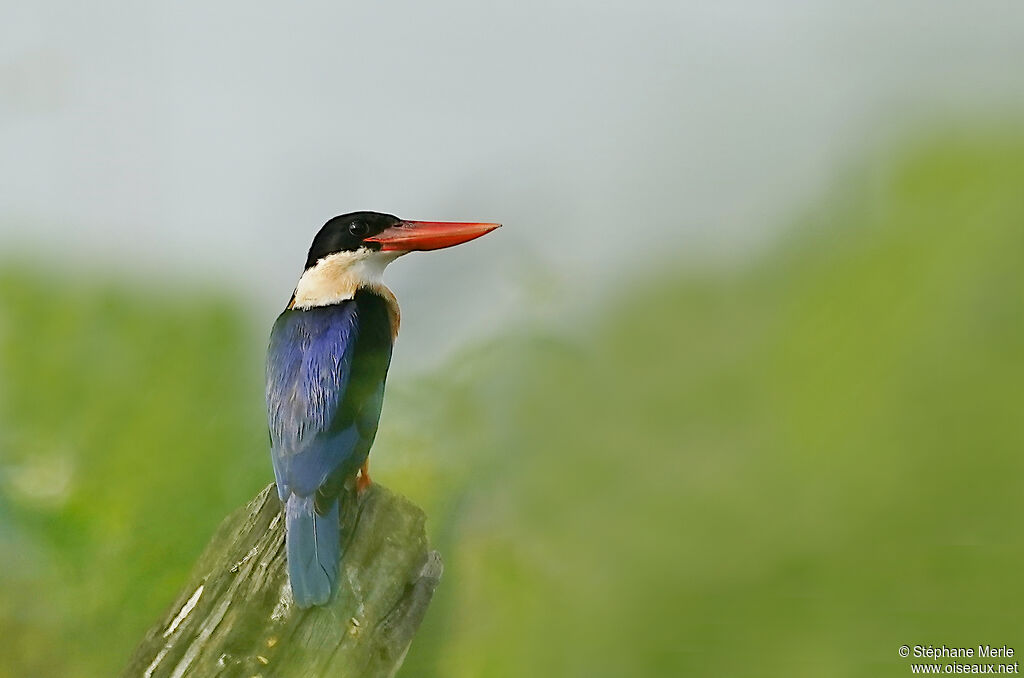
789,469
130,424
786,469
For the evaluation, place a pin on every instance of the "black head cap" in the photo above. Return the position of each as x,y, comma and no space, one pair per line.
347,232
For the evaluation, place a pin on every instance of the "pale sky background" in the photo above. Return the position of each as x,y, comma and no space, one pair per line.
213,139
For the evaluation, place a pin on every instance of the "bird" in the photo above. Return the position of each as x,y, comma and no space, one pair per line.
327,363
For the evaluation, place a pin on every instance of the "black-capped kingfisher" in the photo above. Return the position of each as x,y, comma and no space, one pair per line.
326,367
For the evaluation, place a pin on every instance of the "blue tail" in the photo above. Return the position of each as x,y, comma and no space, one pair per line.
314,549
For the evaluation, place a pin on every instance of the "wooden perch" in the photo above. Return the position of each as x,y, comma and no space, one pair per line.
236,617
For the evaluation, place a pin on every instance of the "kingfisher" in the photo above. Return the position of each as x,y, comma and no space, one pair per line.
326,366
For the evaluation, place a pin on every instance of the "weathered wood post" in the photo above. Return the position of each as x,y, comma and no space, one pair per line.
235,617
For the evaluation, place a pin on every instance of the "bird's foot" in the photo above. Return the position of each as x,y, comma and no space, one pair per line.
363,479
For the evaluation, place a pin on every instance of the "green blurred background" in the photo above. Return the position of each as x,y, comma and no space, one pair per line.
734,392
788,467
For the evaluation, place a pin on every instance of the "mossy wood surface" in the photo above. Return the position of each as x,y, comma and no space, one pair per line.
236,617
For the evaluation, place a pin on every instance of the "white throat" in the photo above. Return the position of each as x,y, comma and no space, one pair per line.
339,276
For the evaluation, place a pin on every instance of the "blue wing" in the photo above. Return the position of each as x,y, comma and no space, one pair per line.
309,367
326,369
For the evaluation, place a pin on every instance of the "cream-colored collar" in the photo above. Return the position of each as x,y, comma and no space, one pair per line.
338,276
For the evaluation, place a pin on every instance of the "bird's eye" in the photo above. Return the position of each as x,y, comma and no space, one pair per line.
358,229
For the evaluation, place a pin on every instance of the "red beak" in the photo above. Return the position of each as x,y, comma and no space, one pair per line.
408,236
